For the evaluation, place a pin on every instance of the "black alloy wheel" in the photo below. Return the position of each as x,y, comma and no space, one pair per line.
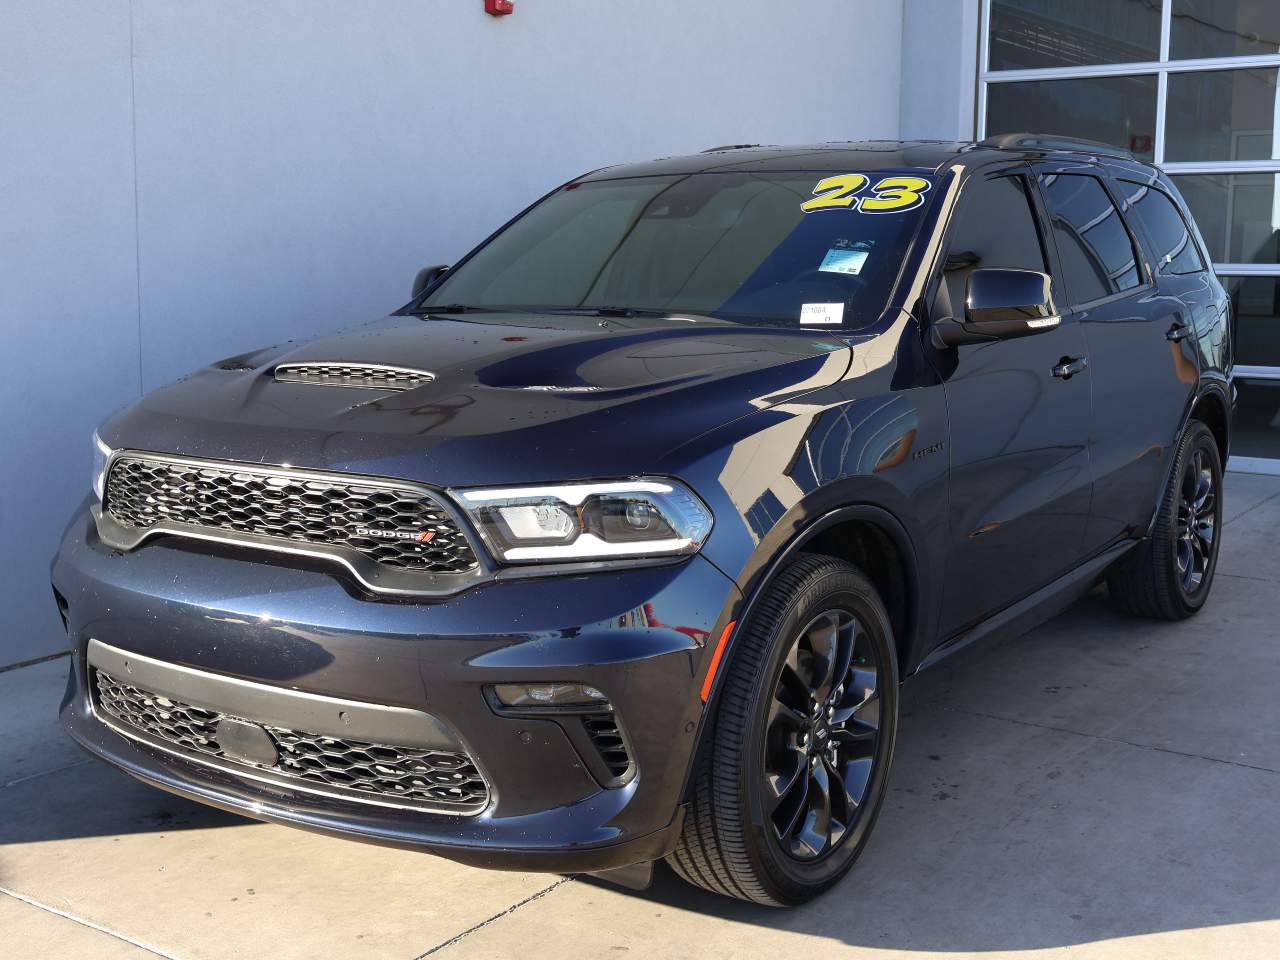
821,735
795,761
1168,575
1197,521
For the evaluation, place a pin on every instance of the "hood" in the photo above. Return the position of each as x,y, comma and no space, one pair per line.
513,397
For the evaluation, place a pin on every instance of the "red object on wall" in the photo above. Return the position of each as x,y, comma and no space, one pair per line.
499,8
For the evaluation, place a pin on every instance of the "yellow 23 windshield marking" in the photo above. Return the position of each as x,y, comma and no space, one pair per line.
835,193
889,195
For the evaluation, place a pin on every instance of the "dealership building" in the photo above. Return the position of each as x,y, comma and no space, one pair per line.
186,182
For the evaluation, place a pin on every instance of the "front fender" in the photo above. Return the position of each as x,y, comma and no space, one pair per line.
870,448
770,558
776,479
891,478
831,507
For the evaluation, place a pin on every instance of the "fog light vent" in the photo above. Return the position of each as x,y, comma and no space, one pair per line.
607,738
584,713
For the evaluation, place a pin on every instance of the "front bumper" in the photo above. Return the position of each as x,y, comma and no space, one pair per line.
640,636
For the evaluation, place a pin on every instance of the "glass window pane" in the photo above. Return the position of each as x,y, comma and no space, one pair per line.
1255,427
1238,214
1255,301
1096,252
1116,110
738,246
1172,247
995,228
1063,33
1224,28
1222,115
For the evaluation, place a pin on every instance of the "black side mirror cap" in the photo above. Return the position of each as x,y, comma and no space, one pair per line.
1001,304
426,277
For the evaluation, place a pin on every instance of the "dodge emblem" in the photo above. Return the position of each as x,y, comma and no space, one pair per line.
422,536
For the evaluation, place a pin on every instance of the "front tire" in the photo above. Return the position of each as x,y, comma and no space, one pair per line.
788,788
1169,575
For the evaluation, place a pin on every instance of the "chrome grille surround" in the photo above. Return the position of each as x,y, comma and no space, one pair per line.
416,777
366,376
399,532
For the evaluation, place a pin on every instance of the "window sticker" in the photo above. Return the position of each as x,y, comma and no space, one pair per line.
822,313
846,257
889,195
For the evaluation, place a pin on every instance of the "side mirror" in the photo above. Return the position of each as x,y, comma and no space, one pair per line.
1001,304
426,277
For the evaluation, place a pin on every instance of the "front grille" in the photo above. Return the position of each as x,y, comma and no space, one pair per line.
416,533
409,776
374,376
606,736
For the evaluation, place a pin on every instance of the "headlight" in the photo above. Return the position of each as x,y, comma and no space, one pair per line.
589,521
101,456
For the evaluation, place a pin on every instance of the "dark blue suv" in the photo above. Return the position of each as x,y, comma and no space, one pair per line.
616,542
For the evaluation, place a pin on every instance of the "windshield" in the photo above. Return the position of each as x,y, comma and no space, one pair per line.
785,249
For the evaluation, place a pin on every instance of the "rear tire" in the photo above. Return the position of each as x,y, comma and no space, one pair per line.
1168,576
784,798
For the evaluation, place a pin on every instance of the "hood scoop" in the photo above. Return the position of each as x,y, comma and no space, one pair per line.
364,376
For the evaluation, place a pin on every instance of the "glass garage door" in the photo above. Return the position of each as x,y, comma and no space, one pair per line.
1193,85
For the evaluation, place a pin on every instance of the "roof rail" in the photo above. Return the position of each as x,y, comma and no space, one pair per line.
1048,141
731,146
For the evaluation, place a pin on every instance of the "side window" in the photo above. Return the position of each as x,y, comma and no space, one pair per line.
995,228
1097,253
1174,249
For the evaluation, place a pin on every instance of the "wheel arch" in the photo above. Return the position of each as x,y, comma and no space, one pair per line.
1212,409
867,543
871,538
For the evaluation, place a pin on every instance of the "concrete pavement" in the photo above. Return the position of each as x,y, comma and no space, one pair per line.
1102,787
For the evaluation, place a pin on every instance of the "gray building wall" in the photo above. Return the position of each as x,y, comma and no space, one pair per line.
940,40
184,181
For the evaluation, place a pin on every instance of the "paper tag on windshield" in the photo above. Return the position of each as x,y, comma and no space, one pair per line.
822,313
843,261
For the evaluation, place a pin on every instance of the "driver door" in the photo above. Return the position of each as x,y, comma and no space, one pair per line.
1020,482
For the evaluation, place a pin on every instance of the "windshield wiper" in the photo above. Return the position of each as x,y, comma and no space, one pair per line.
613,311
606,311
429,309
454,308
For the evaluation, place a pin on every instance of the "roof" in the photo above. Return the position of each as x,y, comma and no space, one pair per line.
924,155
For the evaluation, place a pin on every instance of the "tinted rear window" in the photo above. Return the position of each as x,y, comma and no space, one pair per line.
1173,248
1097,253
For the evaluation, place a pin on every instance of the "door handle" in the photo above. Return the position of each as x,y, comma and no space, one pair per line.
1068,367
1178,332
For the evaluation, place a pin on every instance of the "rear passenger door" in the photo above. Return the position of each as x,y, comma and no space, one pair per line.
1139,341
1018,434
1181,264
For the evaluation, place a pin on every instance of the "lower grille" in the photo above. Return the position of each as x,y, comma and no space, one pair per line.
352,769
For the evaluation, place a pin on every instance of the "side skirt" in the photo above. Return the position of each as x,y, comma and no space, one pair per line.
1031,611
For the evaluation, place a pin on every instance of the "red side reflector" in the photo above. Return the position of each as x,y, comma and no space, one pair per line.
716,656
